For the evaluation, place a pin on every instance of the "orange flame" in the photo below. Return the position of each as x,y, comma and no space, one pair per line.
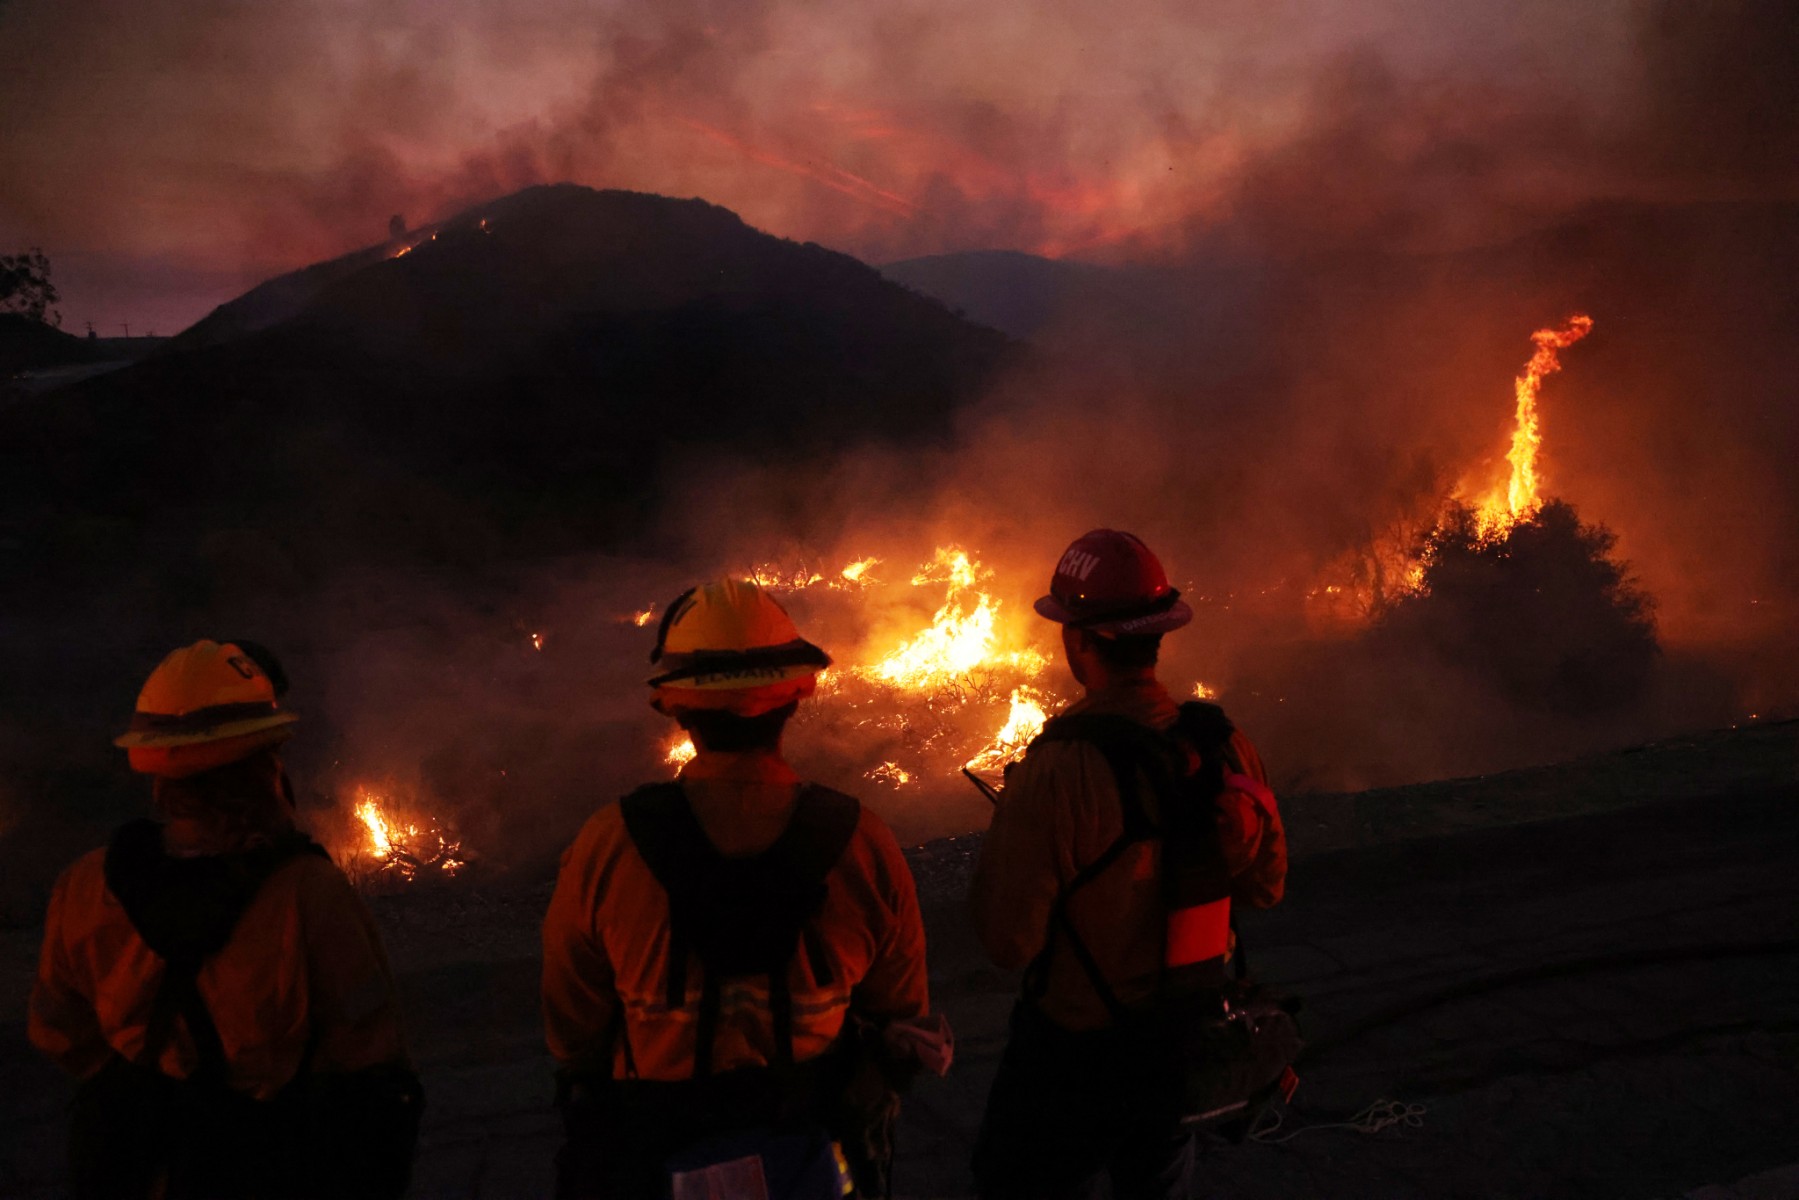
960,638
772,578
405,850
1202,692
857,571
1023,723
891,772
1523,494
644,616
679,752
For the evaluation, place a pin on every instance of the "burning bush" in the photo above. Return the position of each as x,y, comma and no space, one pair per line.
1541,612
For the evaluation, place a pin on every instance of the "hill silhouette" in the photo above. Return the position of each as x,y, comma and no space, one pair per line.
507,387
27,344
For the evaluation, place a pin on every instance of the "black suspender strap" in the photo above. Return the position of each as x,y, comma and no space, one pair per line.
780,1008
705,1030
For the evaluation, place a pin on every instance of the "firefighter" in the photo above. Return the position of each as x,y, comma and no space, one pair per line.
729,957
213,980
1071,882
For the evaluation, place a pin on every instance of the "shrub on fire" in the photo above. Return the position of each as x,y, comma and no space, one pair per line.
1543,613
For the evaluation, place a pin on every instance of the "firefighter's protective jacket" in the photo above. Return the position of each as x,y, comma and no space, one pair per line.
1060,810
606,939
304,965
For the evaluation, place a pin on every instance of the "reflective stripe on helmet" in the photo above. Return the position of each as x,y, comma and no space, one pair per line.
201,719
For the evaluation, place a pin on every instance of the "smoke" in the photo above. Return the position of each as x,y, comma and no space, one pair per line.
245,140
1344,207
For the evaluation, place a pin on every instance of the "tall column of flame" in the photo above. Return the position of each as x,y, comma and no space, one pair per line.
1523,495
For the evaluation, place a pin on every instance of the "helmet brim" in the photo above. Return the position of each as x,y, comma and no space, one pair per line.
214,733
194,758
672,699
1163,620
734,670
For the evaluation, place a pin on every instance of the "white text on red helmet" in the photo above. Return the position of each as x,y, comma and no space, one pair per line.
1077,564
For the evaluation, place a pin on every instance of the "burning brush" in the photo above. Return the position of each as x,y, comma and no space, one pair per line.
398,847
1393,565
921,699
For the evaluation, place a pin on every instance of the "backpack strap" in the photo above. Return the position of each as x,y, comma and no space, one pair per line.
1134,751
1129,750
674,846
669,838
819,832
1210,731
185,910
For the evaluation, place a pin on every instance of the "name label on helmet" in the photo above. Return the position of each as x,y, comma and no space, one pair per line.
1077,564
746,675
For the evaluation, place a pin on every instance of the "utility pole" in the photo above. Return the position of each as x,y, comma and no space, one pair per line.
127,325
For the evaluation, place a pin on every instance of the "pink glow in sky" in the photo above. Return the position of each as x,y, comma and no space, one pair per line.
169,153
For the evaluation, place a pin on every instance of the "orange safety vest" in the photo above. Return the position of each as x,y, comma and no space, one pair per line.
1060,811
302,966
610,999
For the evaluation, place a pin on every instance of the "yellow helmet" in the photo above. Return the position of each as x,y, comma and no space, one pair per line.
204,706
730,645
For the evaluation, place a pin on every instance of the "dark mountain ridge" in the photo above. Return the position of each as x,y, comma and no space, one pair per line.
511,386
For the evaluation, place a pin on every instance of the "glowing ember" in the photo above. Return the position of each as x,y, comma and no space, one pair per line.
891,772
404,849
640,619
679,753
772,578
537,641
1202,692
858,570
1023,723
1496,515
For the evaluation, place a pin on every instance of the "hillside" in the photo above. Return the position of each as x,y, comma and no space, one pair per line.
513,384
28,345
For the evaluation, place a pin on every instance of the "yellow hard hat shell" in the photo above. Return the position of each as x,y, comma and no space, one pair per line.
209,694
731,635
178,762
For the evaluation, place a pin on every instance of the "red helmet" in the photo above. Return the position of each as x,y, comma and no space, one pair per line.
1109,582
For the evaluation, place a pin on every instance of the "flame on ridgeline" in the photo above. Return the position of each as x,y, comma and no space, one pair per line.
1523,495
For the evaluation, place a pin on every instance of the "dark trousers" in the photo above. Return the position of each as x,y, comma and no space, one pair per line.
136,1133
623,1134
1069,1109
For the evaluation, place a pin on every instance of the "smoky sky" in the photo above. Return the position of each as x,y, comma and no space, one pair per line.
167,153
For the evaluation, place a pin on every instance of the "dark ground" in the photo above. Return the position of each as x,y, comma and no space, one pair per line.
1584,978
